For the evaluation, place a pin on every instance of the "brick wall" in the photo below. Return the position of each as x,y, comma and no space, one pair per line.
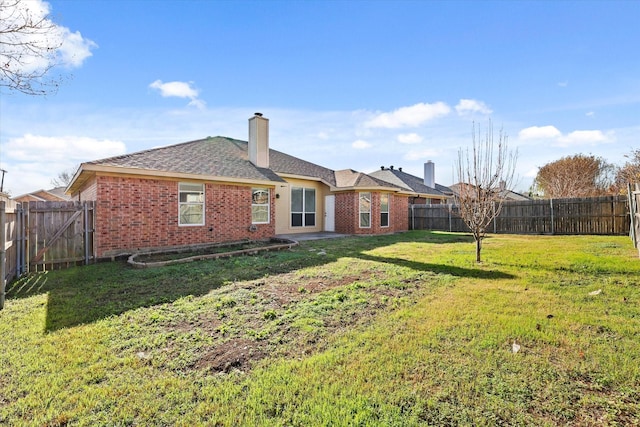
348,215
134,214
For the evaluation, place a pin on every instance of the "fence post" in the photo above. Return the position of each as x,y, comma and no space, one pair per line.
3,253
19,231
552,219
632,216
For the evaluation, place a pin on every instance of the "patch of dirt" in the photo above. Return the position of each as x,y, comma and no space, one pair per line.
238,353
285,292
249,323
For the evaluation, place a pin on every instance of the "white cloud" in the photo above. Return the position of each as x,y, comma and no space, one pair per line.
577,137
563,84
409,138
585,137
591,114
53,43
74,48
179,90
412,116
64,149
360,144
470,106
539,132
34,160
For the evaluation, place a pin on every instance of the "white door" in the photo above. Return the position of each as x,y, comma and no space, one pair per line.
330,213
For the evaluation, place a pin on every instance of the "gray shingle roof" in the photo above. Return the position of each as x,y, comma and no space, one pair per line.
410,182
228,158
286,164
351,178
218,156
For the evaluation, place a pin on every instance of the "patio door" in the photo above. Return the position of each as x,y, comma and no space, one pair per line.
330,213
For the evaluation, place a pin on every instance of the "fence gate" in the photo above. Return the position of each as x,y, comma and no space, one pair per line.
59,234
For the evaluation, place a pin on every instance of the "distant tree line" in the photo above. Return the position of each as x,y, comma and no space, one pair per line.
583,175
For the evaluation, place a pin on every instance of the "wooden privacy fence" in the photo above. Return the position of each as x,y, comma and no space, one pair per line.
634,207
607,215
38,236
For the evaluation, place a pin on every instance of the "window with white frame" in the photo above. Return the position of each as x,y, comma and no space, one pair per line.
303,207
365,210
260,205
384,210
190,204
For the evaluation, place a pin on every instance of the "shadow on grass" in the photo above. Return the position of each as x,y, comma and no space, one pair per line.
87,294
441,268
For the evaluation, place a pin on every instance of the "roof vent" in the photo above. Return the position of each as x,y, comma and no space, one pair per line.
381,168
400,169
258,114
391,167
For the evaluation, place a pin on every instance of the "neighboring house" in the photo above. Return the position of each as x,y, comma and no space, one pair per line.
423,190
54,195
506,195
220,189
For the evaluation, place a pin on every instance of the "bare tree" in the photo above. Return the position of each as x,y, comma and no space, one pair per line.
629,173
485,173
64,178
575,176
31,45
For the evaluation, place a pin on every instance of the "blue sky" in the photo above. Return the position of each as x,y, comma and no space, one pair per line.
345,84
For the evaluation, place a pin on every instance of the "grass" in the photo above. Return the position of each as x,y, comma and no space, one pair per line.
398,330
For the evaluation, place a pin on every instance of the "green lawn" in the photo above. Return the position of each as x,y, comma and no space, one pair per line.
395,330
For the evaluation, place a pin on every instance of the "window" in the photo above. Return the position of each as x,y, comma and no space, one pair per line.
260,206
365,210
384,210
190,204
303,207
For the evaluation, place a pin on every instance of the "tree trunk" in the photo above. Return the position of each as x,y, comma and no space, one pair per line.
478,249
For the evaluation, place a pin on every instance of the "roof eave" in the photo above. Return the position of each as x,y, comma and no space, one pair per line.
88,169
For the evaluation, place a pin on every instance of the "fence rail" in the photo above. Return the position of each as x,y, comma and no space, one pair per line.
598,215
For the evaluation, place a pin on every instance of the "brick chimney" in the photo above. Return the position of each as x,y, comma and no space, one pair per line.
430,174
259,141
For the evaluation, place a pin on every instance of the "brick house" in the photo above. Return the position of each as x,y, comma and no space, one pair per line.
219,189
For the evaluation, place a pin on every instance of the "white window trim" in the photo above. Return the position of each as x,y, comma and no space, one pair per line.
360,212
180,224
388,211
304,207
268,205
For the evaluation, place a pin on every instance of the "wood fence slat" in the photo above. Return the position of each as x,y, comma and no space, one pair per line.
608,215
